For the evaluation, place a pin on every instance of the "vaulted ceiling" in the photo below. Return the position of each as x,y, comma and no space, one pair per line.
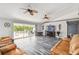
55,11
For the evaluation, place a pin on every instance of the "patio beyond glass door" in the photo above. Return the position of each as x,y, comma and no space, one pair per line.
23,30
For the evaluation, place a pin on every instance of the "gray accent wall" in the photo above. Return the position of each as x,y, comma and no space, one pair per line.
73,27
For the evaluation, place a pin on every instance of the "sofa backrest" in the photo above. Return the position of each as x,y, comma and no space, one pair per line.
74,44
5,41
7,48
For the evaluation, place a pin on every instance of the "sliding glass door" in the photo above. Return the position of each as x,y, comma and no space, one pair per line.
23,30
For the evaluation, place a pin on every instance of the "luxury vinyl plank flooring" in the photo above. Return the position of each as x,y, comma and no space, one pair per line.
36,45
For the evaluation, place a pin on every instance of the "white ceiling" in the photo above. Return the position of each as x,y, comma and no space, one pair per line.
54,10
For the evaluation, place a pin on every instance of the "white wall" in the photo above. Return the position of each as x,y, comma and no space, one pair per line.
5,31
39,28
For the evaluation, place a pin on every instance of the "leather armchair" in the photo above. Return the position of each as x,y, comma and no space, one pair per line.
66,46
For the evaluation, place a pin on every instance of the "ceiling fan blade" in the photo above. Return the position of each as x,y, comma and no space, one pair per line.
25,12
46,17
23,8
35,11
48,12
31,13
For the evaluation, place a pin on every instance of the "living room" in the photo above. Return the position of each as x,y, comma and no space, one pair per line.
44,28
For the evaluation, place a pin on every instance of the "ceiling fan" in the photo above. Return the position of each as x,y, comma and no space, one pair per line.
29,10
46,17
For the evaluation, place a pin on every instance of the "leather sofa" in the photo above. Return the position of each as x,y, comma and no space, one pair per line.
66,46
61,47
7,47
74,45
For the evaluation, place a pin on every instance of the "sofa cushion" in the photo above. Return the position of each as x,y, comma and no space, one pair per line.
1,38
5,41
74,44
62,47
7,48
0,53
76,52
15,51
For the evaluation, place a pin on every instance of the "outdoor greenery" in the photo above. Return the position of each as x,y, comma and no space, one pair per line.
22,28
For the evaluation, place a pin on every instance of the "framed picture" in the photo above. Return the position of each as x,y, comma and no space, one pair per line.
6,24
59,26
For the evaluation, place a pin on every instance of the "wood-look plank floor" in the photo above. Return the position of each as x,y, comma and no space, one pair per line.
36,45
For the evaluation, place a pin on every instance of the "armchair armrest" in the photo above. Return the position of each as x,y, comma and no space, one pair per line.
61,48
